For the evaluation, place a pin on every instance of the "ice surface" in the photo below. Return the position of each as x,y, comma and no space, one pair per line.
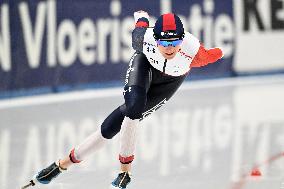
207,136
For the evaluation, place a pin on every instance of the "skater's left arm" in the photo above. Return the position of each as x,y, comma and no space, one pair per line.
141,24
206,56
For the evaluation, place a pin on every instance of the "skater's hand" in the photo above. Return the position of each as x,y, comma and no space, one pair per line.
206,56
140,14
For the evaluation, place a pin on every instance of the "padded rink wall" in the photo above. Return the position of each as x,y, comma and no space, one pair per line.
50,46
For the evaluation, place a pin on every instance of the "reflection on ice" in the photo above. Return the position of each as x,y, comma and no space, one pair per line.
205,137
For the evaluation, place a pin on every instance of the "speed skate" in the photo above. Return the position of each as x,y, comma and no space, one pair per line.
46,175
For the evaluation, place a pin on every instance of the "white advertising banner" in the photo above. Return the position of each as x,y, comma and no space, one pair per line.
260,35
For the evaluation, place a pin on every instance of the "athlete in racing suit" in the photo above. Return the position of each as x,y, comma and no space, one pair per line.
163,58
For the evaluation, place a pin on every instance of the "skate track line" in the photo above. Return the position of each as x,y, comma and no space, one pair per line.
245,176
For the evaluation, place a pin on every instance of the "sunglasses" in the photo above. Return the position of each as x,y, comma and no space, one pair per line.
166,43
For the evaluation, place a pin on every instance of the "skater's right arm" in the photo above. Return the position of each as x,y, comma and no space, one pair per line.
141,24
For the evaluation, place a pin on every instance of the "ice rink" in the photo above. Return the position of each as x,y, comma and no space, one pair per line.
210,135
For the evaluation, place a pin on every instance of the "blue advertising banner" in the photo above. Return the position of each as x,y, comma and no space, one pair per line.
50,44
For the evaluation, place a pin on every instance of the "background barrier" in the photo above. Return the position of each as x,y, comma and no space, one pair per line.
49,46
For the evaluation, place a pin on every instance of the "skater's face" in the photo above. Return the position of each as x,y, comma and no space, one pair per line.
169,48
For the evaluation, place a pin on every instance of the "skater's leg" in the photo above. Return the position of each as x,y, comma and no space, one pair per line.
109,128
150,99
135,96
128,137
94,142
112,124
91,144
135,100
157,96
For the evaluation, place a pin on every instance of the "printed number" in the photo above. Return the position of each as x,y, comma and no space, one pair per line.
154,61
151,50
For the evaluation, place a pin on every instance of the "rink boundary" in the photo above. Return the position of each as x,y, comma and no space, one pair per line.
117,91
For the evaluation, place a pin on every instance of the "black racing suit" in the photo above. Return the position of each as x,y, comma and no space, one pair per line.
146,89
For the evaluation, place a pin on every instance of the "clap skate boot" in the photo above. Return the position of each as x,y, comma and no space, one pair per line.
122,180
46,175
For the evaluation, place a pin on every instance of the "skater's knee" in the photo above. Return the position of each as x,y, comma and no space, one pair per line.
109,133
135,101
112,124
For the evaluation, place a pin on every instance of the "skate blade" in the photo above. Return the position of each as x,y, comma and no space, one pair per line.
32,183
